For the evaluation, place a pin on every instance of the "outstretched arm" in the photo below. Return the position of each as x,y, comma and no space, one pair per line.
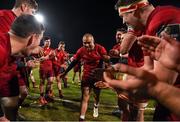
166,94
165,50
71,65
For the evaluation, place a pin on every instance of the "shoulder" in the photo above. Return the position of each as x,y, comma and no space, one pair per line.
162,15
82,49
167,8
98,46
4,38
116,46
165,13
65,53
4,48
2,12
6,13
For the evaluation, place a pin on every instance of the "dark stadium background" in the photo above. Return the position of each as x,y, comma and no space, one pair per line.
68,20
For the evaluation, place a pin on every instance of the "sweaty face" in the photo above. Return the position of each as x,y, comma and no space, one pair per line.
131,19
88,42
47,43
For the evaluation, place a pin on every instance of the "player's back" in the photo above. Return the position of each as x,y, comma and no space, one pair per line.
6,19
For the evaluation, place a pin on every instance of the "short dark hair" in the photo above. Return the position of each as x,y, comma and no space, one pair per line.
25,25
46,38
125,3
123,30
32,3
61,42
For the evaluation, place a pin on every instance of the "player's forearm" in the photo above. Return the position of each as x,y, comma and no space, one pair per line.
127,43
167,95
118,84
71,65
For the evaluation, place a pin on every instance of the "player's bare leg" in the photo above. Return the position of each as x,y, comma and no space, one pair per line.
33,79
96,102
79,78
41,86
84,101
141,109
10,107
23,94
73,79
65,81
59,87
49,92
123,105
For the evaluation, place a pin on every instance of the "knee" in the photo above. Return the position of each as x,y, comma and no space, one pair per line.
10,102
23,91
85,98
23,94
50,80
57,79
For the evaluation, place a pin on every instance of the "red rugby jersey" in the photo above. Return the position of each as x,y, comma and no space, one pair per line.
46,64
61,57
117,47
7,17
90,59
7,67
163,15
136,56
5,49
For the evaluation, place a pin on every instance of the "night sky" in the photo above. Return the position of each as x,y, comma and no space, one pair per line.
68,20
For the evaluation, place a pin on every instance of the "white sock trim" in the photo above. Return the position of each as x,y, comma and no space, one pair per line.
96,105
82,116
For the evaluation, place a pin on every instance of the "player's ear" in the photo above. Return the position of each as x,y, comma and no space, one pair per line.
30,40
23,7
93,39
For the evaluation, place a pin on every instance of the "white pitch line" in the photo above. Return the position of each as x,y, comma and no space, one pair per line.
102,105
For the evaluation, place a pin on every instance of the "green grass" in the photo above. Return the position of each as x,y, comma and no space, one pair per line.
68,108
